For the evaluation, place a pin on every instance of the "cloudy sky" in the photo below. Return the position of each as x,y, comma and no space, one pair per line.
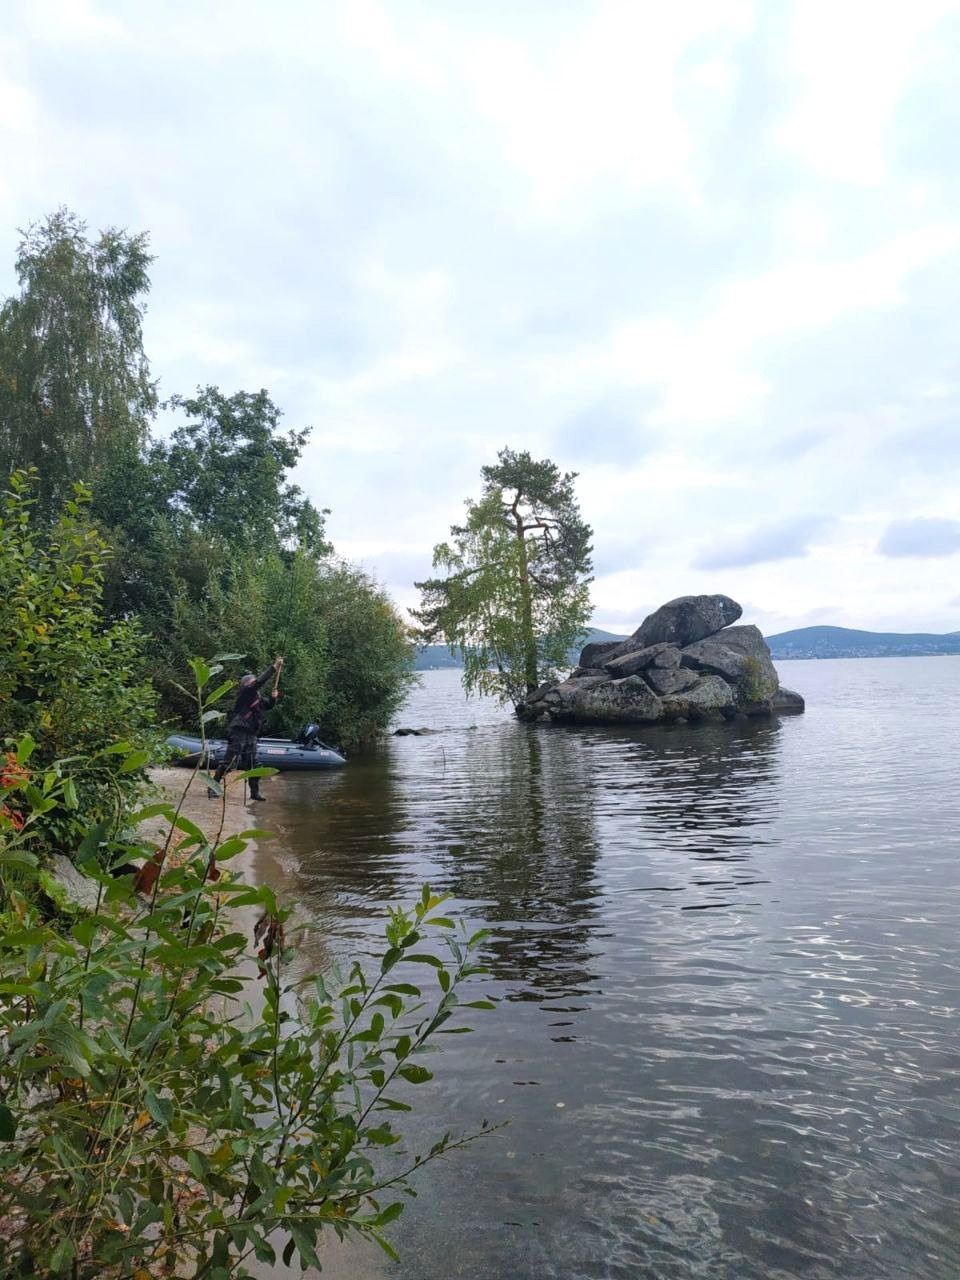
706,254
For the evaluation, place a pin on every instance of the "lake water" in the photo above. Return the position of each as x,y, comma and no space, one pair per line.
727,965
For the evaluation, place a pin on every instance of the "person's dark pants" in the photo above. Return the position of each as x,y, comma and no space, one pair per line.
241,753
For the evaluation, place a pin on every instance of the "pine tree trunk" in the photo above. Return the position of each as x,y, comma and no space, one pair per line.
526,617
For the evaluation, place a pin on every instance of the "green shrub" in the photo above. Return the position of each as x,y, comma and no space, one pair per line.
149,1121
70,680
753,686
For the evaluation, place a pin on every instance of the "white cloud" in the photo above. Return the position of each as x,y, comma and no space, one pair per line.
851,63
703,367
434,230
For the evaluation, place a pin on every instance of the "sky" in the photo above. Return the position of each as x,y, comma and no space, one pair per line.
704,254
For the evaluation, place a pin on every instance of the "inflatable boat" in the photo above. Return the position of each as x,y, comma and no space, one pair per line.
304,752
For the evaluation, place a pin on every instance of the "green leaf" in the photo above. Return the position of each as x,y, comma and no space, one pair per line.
62,1256
8,1124
423,958
159,1109
389,1104
218,692
25,748
71,1045
416,1074
388,1214
17,858
92,841
154,811
208,716
230,848
190,828
386,1246
201,671
382,1136
393,1002
136,760
304,1238
70,794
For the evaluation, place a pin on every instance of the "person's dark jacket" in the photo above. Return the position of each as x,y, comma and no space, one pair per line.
251,706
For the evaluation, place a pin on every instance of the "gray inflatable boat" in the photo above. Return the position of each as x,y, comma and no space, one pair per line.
307,752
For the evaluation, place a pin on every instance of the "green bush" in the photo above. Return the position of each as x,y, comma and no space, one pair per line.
753,686
150,1122
368,654
70,680
349,661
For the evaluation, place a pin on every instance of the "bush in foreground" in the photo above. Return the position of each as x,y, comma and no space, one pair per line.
68,678
149,1119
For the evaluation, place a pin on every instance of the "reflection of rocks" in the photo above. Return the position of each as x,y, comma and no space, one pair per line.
684,662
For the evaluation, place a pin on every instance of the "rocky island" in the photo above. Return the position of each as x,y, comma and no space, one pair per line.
687,661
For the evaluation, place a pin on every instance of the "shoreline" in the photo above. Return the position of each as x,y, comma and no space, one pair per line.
258,865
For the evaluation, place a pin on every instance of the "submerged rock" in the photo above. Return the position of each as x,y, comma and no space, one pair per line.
685,662
786,702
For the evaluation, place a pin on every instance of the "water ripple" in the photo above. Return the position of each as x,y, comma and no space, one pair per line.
728,974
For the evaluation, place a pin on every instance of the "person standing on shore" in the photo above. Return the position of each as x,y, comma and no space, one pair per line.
246,722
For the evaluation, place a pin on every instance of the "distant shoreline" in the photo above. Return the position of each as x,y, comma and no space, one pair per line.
853,657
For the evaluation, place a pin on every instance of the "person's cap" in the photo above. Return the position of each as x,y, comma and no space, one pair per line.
249,678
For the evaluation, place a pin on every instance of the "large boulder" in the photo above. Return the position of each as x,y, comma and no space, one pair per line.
634,660
664,680
686,620
684,662
709,698
740,656
593,654
605,701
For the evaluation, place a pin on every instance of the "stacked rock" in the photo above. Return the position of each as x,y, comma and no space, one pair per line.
686,661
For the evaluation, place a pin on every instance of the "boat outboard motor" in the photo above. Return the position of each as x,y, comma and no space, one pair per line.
309,735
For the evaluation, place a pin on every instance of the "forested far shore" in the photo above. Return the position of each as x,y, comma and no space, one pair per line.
805,642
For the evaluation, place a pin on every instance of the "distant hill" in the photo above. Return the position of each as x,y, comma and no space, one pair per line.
842,642
805,642
434,657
